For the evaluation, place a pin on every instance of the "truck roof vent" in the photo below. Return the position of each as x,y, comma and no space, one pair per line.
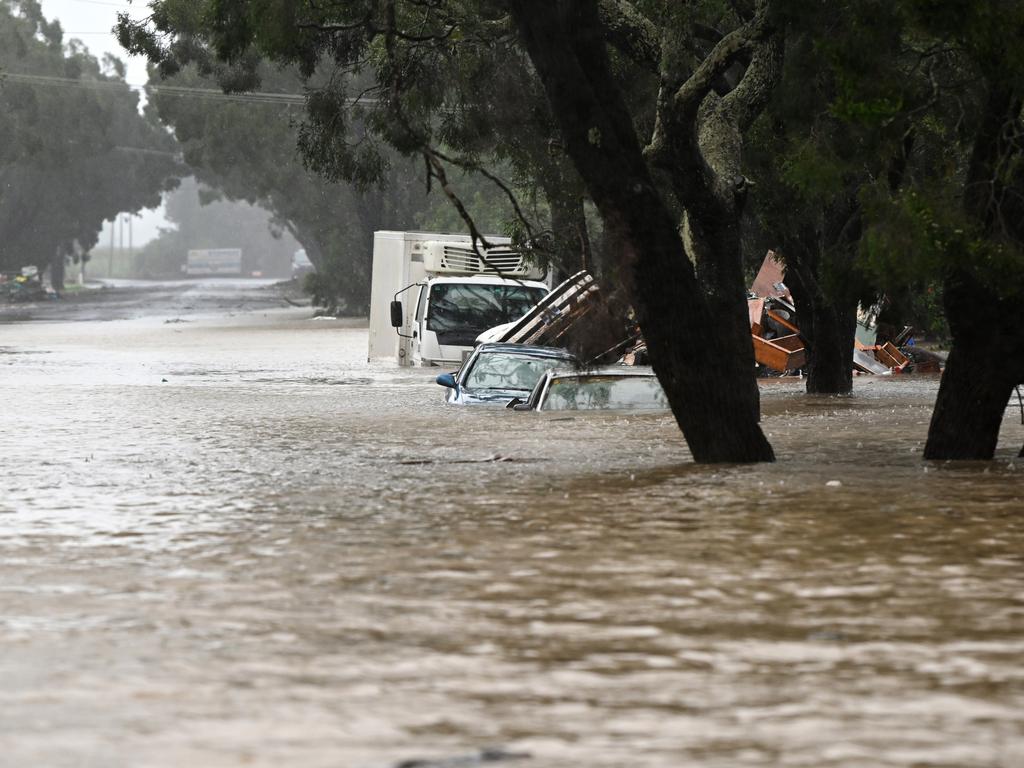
460,259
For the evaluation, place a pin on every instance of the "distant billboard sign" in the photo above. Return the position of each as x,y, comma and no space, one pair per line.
214,261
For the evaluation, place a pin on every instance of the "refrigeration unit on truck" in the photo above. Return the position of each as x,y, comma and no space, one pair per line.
431,295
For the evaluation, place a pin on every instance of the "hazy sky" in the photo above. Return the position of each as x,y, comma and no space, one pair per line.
91,21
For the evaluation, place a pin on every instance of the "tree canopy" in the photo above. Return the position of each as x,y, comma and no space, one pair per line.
881,142
74,150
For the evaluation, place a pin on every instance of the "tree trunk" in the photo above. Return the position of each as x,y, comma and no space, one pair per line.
57,271
986,360
570,239
830,349
828,329
985,363
310,244
700,347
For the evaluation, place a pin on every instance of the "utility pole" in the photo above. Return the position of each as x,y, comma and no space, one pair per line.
131,249
110,257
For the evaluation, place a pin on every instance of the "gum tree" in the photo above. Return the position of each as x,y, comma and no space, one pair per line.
959,216
74,150
669,185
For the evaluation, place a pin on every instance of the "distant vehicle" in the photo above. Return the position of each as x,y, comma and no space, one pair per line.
497,373
622,387
431,295
301,265
225,262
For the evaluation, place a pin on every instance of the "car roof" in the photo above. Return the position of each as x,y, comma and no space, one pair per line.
526,349
489,280
624,371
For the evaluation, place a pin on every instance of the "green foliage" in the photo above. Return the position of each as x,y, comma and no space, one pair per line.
70,156
247,150
439,83
879,109
928,229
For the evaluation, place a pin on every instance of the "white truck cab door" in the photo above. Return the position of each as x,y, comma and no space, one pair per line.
419,323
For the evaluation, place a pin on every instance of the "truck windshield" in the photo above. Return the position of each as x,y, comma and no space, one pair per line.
459,312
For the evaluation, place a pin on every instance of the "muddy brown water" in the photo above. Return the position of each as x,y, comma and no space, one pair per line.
230,541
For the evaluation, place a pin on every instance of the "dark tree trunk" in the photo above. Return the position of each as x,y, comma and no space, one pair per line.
700,347
570,239
986,359
828,328
57,268
985,363
312,247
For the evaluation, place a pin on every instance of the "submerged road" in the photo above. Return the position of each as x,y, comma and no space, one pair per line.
226,540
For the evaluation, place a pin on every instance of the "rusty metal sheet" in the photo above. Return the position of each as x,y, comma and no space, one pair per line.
768,277
755,309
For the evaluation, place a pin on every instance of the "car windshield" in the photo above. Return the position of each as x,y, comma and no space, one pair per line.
604,392
503,370
459,312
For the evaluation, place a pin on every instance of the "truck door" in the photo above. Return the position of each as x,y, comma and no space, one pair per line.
418,324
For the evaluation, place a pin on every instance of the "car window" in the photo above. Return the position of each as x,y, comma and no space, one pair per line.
604,392
497,370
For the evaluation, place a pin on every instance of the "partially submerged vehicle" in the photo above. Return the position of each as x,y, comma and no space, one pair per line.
612,388
432,294
497,373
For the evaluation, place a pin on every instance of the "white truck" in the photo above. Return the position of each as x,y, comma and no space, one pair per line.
214,261
431,295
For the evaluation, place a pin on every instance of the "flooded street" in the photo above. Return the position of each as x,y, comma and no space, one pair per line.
225,540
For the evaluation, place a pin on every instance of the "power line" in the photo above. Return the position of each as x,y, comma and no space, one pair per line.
123,6
255,97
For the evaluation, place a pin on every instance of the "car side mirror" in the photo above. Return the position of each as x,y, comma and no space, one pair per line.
514,402
522,407
446,380
397,314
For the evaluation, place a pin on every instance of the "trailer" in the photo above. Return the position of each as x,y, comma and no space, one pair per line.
214,261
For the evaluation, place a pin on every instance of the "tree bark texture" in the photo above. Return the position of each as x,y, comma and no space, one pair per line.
986,359
570,239
828,329
985,363
827,318
705,366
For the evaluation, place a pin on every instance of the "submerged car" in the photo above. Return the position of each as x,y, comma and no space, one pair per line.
616,388
497,373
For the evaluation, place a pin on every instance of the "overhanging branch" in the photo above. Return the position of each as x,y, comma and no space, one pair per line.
731,48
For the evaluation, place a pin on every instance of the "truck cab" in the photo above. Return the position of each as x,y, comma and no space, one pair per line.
452,311
432,295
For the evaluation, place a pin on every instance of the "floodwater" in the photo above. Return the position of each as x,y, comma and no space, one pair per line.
228,541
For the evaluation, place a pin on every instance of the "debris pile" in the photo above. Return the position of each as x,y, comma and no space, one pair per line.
21,287
779,347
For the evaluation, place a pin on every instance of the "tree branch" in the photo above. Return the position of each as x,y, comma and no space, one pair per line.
741,41
631,33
